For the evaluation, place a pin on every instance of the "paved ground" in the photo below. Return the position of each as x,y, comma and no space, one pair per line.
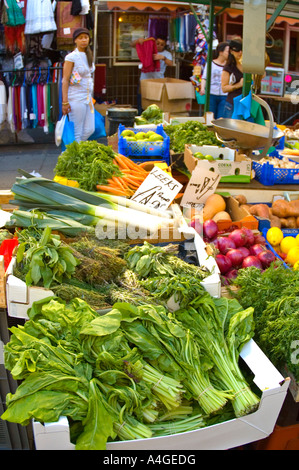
40,158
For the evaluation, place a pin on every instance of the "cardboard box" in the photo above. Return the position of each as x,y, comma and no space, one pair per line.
19,296
226,435
233,170
170,94
239,215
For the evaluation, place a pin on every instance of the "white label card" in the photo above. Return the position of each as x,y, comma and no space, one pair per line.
202,184
158,190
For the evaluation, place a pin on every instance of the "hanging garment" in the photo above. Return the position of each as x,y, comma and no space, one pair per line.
40,105
10,110
3,103
39,17
12,14
24,107
15,38
67,24
145,53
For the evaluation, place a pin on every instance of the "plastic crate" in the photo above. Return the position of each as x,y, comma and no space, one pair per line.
266,174
143,151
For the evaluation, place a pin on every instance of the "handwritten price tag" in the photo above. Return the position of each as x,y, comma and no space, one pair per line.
202,184
158,190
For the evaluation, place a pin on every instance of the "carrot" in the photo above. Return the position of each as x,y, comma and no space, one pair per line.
128,162
109,189
133,183
120,182
120,162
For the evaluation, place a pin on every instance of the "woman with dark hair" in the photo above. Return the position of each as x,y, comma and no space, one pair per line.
232,76
77,86
217,96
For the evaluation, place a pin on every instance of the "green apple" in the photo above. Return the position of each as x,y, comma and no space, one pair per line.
127,133
210,158
199,155
156,137
140,136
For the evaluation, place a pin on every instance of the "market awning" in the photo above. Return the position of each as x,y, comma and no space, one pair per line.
234,13
155,5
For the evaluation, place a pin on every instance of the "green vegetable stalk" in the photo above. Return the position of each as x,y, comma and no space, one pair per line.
221,328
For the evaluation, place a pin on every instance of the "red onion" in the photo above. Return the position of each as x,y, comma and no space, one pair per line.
244,250
224,263
224,244
210,229
258,238
250,235
256,249
239,237
251,261
266,258
236,257
196,223
231,274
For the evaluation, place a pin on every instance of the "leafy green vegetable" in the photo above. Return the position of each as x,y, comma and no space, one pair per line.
190,132
221,328
274,295
90,163
151,115
46,260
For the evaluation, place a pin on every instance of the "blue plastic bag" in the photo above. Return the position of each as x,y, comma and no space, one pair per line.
68,134
99,130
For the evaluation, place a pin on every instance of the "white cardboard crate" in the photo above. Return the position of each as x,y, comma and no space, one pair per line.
226,435
19,296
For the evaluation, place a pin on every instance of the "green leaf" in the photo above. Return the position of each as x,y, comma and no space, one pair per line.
98,425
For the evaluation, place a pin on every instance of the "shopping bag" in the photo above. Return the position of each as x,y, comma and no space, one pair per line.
99,129
59,130
68,135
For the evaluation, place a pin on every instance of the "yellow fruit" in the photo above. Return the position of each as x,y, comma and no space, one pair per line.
297,238
293,255
274,236
287,243
296,266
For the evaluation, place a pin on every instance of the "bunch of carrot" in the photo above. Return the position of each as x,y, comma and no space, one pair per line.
130,180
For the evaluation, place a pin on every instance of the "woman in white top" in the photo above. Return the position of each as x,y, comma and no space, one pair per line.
77,86
217,96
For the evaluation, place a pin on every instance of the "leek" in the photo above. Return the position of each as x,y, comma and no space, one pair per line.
41,190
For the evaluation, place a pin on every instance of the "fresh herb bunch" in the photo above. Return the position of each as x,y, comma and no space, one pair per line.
190,132
274,295
90,163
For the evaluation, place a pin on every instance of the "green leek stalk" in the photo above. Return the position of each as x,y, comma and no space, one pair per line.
70,199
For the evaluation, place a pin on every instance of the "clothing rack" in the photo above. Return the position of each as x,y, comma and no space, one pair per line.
30,69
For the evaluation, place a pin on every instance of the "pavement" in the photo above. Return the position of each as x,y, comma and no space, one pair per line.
36,154
33,157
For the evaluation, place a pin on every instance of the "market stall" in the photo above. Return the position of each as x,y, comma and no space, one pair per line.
155,301
135,257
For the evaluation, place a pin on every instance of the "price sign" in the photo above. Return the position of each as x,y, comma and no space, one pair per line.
158,190
202,184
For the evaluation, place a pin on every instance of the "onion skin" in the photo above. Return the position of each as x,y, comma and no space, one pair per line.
224,263
236,257
210,229
224,244
266,258
239,237
250,236
252,261
256,249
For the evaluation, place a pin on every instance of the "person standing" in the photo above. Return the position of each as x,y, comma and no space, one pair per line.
232,76
77,86
162,55
217,96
